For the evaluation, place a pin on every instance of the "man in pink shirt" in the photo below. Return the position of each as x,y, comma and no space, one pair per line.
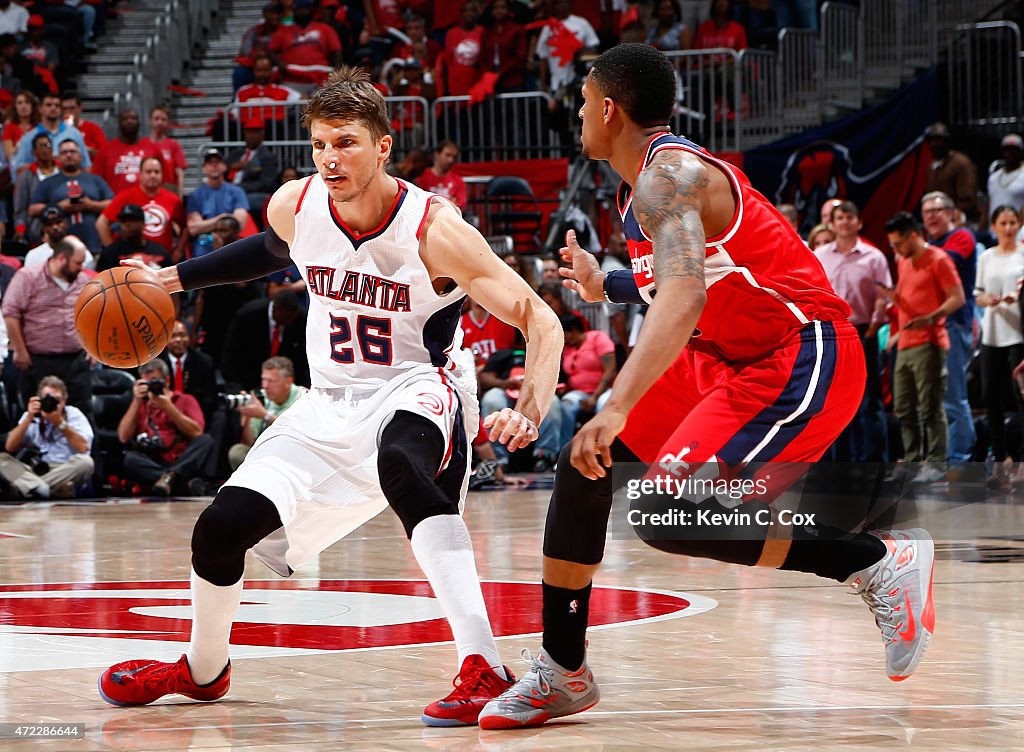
928,291
441,180
857,271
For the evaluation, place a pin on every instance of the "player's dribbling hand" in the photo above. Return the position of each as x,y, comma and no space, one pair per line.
584,274
592,445
168,276
510,428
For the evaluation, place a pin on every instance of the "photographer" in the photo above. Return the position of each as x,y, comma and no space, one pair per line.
54,439
279,393
164,429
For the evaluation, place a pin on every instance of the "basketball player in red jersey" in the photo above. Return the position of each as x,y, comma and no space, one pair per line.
746,356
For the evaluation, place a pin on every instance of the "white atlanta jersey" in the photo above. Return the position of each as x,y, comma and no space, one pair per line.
373,314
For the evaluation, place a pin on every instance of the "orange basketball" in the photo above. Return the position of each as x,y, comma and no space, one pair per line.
124,317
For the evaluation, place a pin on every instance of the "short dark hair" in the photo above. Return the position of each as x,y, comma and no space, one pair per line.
64,248
46,136
233,222
67,95
286,300
903,223
554,289
571,322
443,143
1004,208
640,79
847,207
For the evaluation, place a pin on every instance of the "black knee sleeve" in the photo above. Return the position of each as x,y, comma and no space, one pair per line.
411,451
578,511
236,521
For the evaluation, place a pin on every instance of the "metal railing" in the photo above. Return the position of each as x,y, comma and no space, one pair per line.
842,55
503,127
985,82
709,106
800,80
759,87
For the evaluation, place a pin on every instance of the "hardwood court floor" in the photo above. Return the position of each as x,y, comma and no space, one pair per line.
754,660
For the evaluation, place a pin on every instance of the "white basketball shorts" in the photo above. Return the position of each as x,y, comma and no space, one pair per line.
318,461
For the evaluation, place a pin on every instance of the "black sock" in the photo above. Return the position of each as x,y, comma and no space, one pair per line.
835,559
565,616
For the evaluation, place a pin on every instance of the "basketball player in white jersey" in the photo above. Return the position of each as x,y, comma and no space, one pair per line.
385,423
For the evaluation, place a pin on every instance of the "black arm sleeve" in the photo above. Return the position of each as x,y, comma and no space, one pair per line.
247,259
620,287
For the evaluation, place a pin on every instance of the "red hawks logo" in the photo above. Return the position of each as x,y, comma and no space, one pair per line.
79,625
431,402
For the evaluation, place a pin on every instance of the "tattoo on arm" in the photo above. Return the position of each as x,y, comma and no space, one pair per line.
667,202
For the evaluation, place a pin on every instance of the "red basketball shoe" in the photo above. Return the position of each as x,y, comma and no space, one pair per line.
475,686
140,682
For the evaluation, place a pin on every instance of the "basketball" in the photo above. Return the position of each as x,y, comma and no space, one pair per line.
124,317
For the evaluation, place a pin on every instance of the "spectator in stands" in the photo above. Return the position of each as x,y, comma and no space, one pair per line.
277,393
588,361
1006,176
551,293
525,271
21,117
170,150
500,379
13,18
412,166
16,72
669,32
262,90
264,329
132,243
120,161
505,48
827,207
213,200
620,315
797,14
51,124
55,229
941,231
1000,270
463,47
255,40
485,334
29,229
951,172
193,372
58,438
721,30
164,211
80,195
255,168
820,235
858,272
790,213
215,308
71,107
227,230
76,16
441,179
38,308
307,50
420,46
40,52
164,430
563,32
928,290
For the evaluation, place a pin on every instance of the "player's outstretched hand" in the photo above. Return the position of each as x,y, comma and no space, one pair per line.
592,445
510,428
583,274
168,276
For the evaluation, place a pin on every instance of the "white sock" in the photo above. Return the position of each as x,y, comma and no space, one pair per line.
213,610
444,551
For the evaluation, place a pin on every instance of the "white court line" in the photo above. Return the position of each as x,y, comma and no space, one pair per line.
593,713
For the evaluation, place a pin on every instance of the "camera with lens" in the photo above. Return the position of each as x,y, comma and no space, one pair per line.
149,443
235,401
156,386
32,457
48,403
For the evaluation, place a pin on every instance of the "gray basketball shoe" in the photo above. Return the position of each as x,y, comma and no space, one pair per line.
544,692
898,590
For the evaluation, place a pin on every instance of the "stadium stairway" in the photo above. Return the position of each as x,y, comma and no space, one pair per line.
206,85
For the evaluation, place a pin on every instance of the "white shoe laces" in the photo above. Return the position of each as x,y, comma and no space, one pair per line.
881,603
544,672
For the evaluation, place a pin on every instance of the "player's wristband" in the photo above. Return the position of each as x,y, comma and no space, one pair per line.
620,287
247,259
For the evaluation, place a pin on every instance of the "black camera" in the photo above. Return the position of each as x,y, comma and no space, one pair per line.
235,401
156,386
149,443
32,457
48,403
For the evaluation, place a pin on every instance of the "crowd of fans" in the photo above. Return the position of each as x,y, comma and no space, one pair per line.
943,343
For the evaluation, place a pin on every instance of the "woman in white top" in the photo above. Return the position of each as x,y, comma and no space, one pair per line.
1000,270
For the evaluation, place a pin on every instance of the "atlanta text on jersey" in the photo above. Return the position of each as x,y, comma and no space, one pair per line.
359,288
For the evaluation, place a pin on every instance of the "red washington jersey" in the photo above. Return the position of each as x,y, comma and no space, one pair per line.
763,283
